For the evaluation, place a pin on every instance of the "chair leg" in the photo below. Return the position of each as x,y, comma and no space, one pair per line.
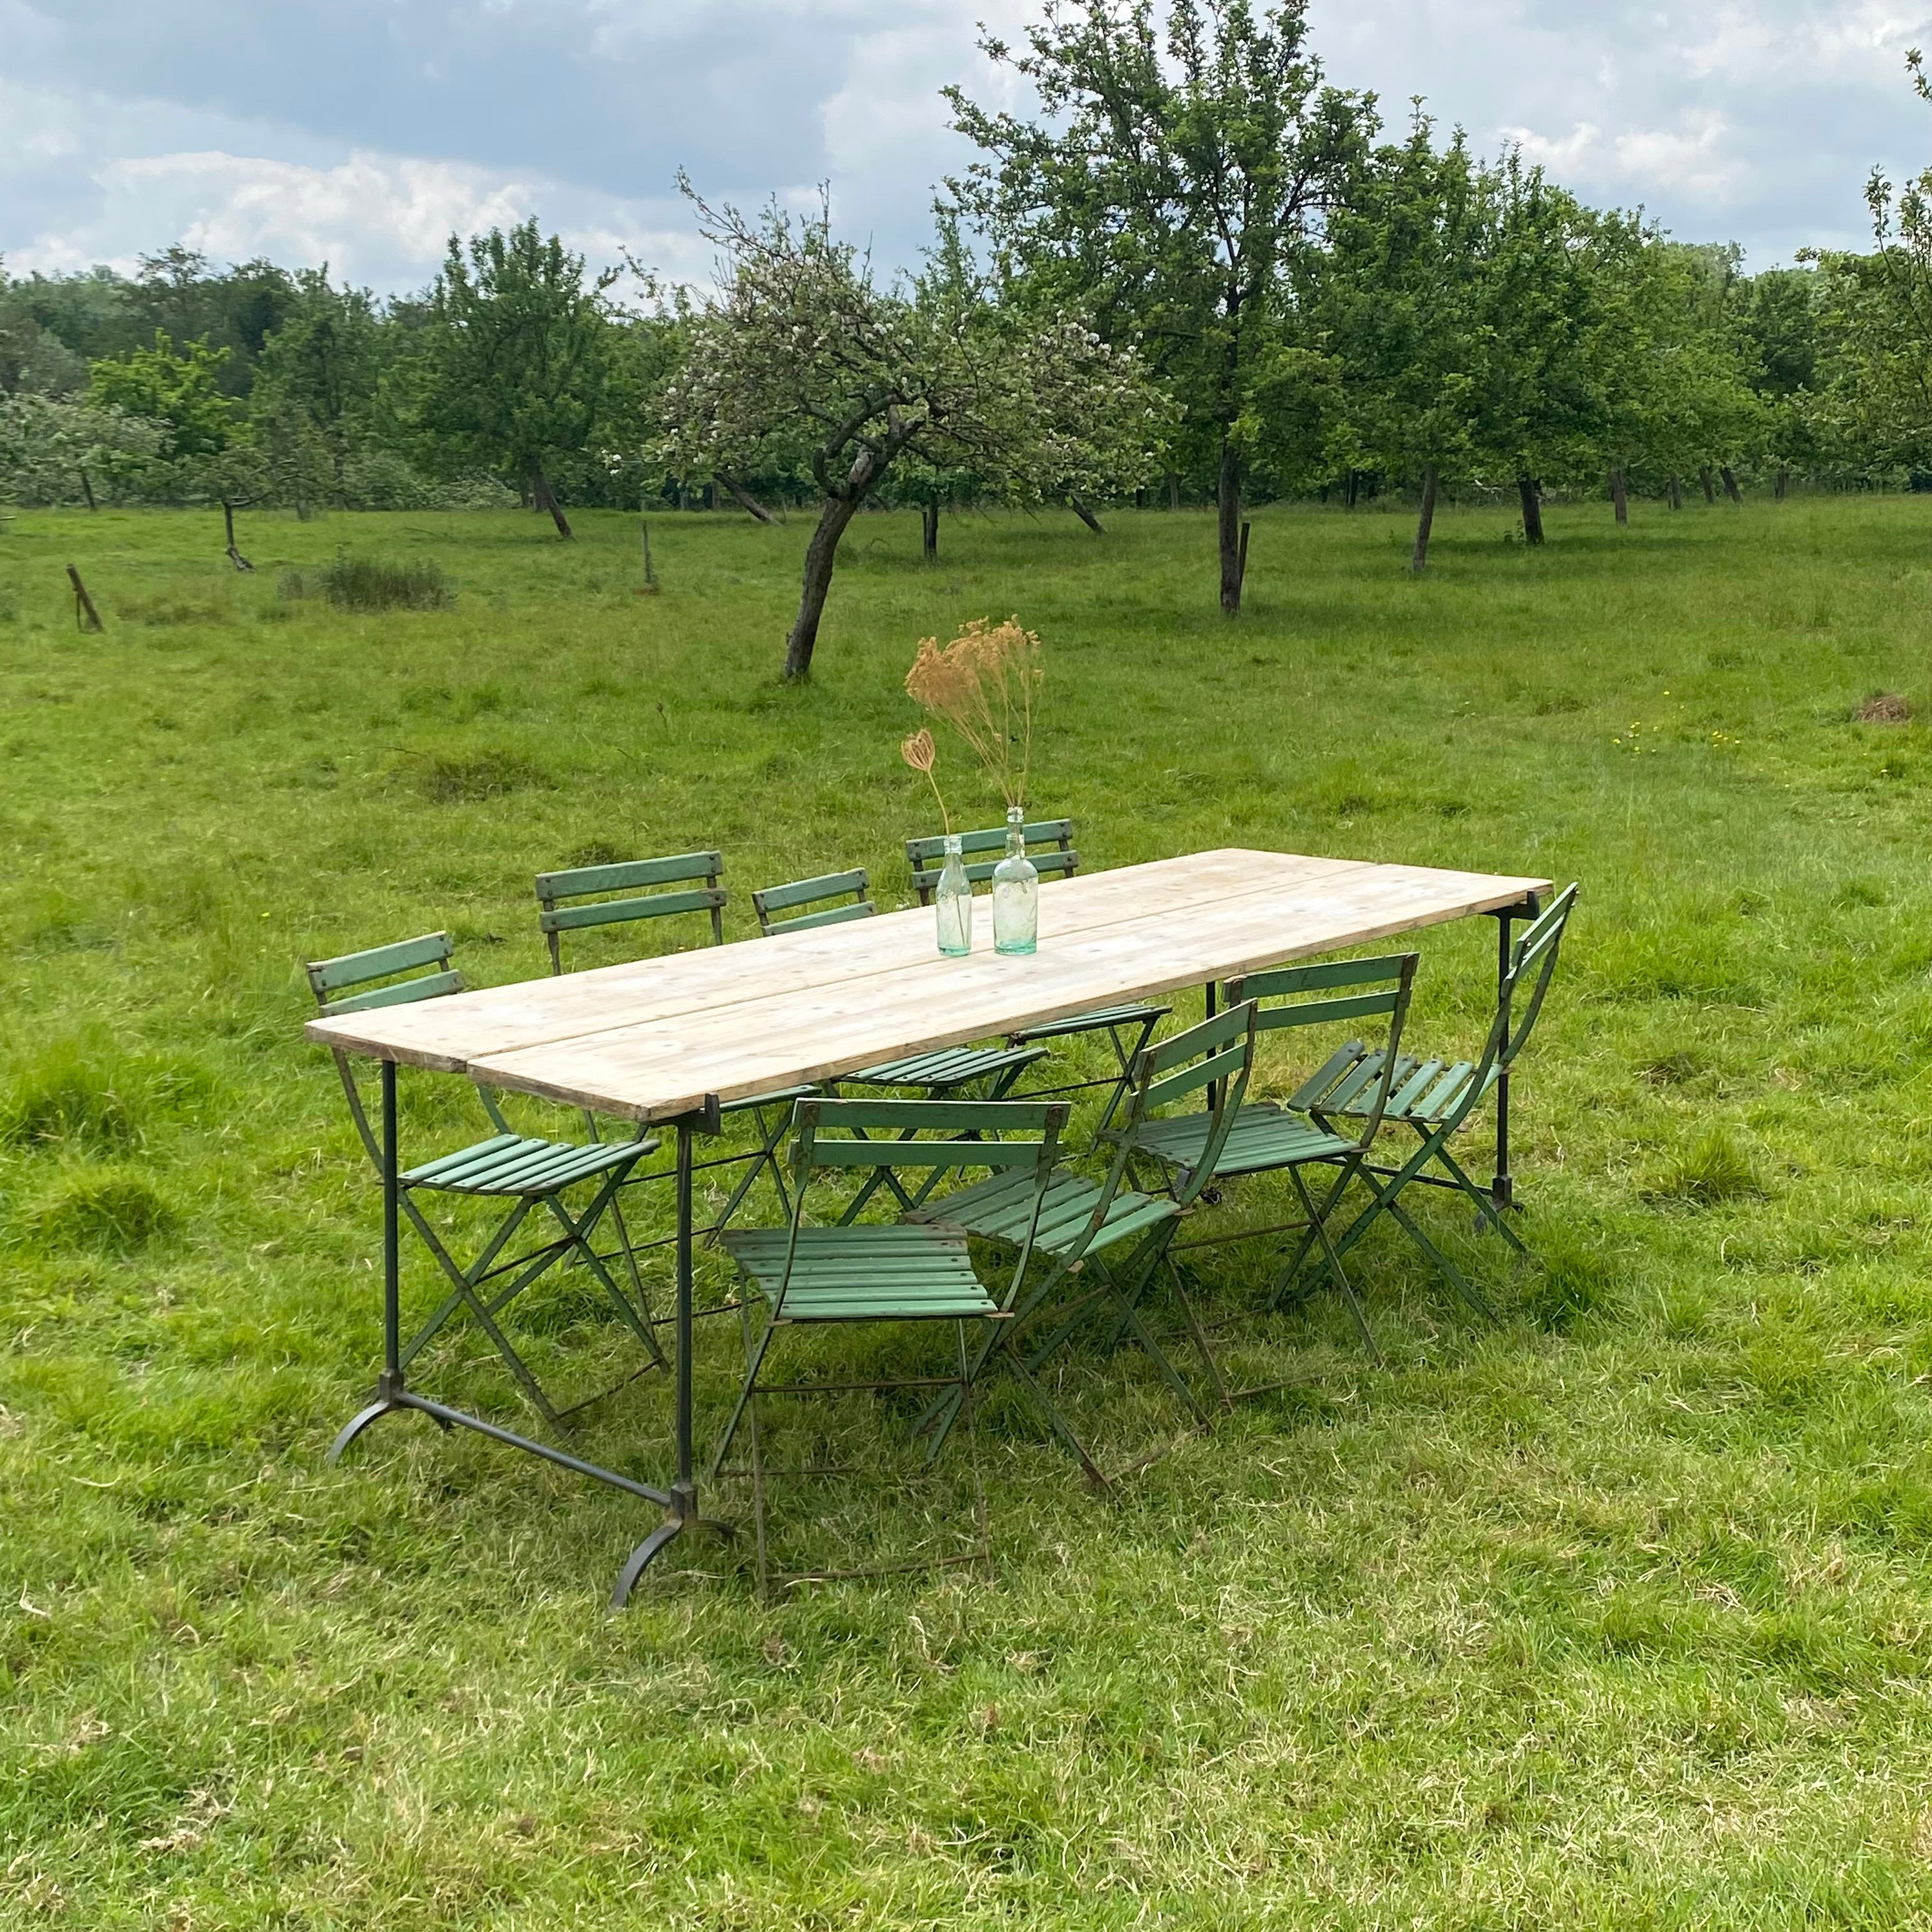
980,1520
762,1543
1341,1279
1061,1426
1311,1234
578,1233
1128,1302
1444,1267
1487,1209
753,1360
1197,1332
466,1282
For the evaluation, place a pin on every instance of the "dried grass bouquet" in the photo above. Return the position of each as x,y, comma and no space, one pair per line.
985,684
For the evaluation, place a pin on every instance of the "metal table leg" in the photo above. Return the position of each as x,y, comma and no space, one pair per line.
681,1506
679,1502
1502,1187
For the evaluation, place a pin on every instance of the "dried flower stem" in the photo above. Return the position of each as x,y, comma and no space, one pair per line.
919,751
983,684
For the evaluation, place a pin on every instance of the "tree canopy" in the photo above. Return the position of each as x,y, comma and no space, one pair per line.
804,357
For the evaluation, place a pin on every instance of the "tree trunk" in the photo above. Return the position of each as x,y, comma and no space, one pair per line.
1086,516
1782,487
1618,497
838,512
746,501
1677,493
1418,559
1351,489
1710,490
234,557
341,488
1173,491
87,491
1531,498
1731,489
1230,495
929,530
545,499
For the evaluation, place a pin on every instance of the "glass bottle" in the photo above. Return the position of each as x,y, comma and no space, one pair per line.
1015,892
953,897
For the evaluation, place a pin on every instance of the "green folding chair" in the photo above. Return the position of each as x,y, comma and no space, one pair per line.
1049,843
1436,1098
820,1272
1083,1223
625,893
1266,1137
527,1173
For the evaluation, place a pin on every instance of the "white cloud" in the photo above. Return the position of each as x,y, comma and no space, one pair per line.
365,131
1700,160
379,218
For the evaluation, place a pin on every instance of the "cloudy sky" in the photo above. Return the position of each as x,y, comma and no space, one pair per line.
362,132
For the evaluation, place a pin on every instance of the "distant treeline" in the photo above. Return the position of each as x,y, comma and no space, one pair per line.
1206,276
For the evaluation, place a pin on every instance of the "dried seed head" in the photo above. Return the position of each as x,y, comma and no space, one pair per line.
917,751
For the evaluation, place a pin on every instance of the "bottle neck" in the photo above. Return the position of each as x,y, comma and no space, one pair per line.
1015,832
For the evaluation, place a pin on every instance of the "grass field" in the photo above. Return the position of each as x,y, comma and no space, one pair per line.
1619,1614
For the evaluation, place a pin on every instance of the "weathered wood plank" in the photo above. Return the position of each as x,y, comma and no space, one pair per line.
446,1034
665,1067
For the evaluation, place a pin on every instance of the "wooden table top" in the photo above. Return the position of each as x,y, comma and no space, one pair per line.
649,1039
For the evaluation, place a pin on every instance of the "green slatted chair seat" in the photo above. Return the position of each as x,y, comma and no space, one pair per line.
1001,1209
865,1274
1424,1092
515,1164
946,1066
1261,1137
1094,1021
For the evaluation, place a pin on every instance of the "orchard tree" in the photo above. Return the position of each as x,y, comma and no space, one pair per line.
316,385
509,369
1403,299
803,360
178,389
1873,409
1183,158
1551,346
53,448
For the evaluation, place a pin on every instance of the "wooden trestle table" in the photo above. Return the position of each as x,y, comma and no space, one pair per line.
668,1039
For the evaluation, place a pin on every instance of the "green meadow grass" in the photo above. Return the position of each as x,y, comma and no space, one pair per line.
1617,1615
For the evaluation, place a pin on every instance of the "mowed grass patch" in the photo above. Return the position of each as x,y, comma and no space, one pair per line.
1615,1615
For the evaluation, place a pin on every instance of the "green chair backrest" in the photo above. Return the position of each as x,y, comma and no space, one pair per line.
1532,965
808,893
832,1136
387,975
346,985
1217,1054
591,886
1326,995
1049,845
